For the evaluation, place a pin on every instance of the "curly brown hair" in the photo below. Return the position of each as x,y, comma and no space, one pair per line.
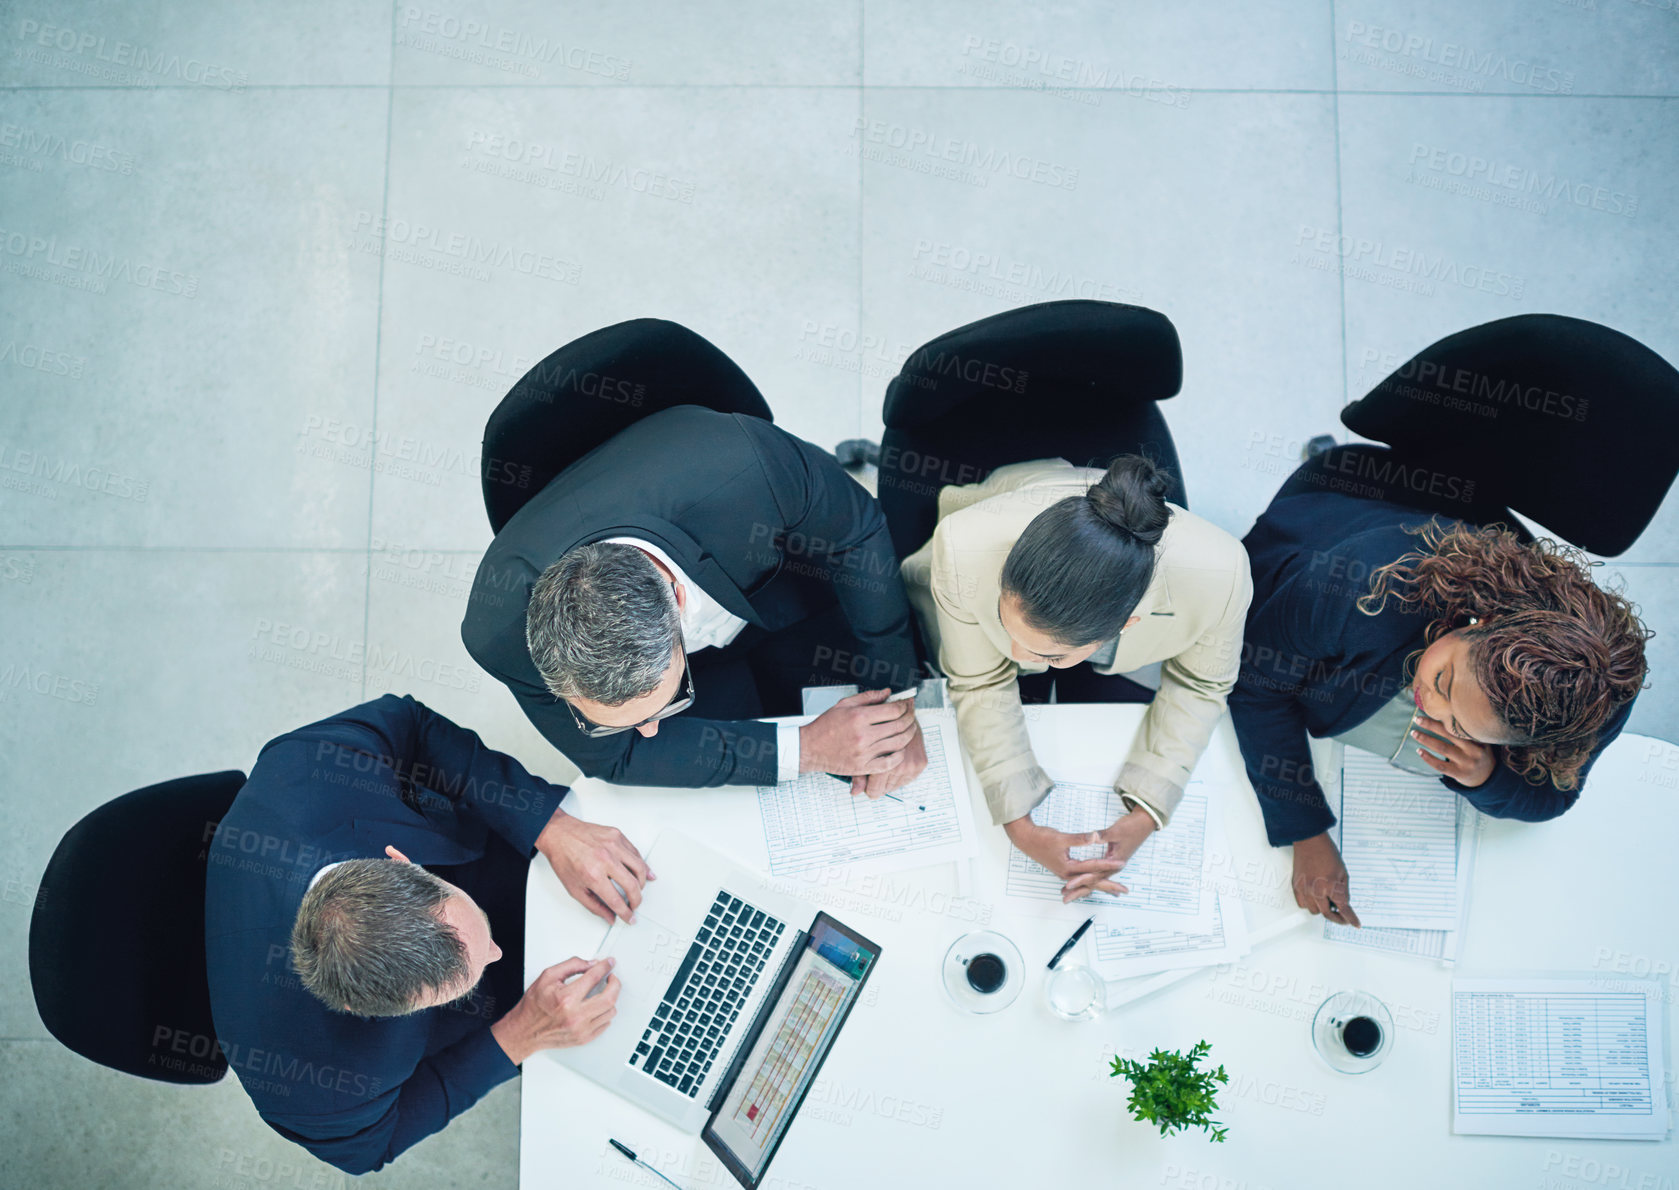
1558,655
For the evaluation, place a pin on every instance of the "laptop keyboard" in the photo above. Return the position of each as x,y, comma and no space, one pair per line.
704,1000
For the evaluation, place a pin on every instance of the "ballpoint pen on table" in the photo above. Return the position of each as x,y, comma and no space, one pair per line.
1071,942
625,1150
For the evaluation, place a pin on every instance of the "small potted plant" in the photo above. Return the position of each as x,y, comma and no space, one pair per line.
1171,1093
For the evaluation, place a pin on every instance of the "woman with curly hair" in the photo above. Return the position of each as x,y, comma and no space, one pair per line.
1442,646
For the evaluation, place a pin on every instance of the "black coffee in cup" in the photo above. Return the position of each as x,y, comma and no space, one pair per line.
1362,1036
986,973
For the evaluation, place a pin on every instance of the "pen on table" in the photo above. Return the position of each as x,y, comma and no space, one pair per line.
625,1149
1071,942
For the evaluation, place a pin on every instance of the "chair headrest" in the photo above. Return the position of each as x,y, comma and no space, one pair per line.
1047,355
585,392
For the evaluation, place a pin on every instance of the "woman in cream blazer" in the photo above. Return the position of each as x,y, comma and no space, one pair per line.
1046,566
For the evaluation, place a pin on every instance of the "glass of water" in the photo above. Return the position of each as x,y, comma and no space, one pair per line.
1076,993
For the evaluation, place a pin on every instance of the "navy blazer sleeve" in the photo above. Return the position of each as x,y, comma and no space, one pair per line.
377,1130
439,758
1290,638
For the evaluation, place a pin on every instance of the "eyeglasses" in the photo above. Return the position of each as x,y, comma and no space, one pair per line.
675,707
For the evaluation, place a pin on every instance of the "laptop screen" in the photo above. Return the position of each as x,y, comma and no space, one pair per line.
827,975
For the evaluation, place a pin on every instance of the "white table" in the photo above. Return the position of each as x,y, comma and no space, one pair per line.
919,1094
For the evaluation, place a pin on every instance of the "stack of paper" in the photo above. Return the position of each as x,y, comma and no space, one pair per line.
1559,1058
1172,915
1409,846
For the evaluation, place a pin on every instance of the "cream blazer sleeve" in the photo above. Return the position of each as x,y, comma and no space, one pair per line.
983,686
1195,683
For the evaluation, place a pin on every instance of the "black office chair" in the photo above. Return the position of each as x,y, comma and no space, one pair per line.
1076,380
1571,424
592,388
116,942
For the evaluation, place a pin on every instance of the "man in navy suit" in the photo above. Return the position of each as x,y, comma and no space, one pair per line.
364,928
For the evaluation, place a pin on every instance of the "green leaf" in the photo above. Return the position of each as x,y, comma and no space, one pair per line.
1171,1093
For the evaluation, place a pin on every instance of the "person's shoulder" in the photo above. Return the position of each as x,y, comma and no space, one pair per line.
1192,542
990,525
494,619
1343,523
686,432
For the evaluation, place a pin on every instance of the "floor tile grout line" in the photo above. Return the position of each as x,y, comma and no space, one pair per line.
378,335
1340,214
39,548
862,164
1141,93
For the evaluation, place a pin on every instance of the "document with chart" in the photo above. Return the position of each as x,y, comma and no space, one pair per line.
1167,888
814,822
1577,1058
1399,839
1440,945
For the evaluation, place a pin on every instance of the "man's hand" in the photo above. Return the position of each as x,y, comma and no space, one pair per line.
601,870
1050,848
1468,762
562,1008
863,734
1320,879
1123,838
912,765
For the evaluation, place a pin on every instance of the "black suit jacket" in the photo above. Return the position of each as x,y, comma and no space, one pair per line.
356,1091
765,523
1313,664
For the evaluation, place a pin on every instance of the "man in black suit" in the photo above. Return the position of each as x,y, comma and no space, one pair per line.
685,578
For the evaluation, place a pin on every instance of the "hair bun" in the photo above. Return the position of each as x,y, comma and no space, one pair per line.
1131,497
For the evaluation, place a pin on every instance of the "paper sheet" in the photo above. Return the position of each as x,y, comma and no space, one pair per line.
1164,877
1558,1057
1121,952
1129,991
1424,944
1398,837
814,821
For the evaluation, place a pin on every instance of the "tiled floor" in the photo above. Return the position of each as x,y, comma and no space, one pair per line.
248,338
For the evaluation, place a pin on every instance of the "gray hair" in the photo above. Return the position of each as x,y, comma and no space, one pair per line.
368,938
601,624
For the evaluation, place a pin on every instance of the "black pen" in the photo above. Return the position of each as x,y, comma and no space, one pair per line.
1071,942
625,1149
900,800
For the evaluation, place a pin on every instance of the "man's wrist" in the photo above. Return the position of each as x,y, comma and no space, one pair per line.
552,827
512,1038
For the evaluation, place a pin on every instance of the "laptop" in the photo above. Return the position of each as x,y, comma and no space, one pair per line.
732,993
